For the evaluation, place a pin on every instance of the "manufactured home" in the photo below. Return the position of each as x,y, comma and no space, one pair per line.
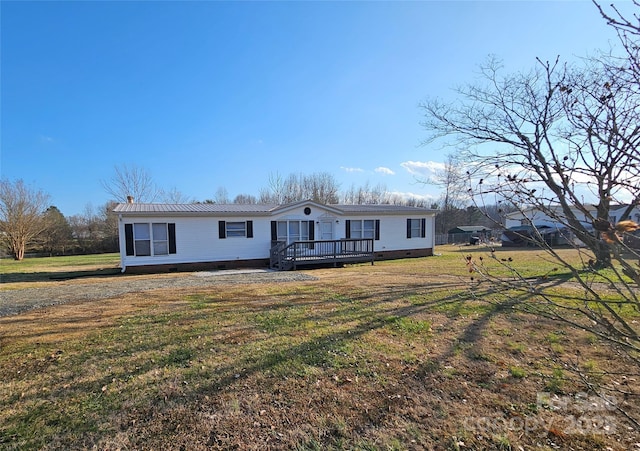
216,236
534,216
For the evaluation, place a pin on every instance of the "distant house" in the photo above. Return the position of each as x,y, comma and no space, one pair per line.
519,225
184,236
525,236
468,234
533,216
478,230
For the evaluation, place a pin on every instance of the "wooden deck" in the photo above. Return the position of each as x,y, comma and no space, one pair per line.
285,257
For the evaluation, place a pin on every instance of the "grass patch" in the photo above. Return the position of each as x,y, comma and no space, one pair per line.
51,264
45,269
517,372
390,356
409,326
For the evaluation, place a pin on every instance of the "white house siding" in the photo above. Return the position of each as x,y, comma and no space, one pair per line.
393,235
197,234
197,241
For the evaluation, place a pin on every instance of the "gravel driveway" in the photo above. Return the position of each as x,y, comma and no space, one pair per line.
13,302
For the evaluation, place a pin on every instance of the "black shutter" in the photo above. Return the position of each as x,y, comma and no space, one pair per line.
128,238
408,228
377,233
347,228
172,238
249,229
423,224
274,231
222,230
312,233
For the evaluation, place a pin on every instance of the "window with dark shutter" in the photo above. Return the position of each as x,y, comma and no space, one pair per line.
222,230
408,228
274,231
347,228
249,229
423,228
377,233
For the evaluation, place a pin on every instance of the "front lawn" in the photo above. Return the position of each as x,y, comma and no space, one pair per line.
390,356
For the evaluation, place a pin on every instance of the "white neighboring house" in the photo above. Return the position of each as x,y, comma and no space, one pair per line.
533,216
190,236
518,225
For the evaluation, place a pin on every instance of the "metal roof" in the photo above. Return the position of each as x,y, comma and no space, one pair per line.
257,209
381,208
470,228
193,208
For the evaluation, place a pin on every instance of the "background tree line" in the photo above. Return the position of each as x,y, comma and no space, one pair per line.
29,223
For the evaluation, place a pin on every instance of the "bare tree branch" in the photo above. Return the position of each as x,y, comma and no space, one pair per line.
131,181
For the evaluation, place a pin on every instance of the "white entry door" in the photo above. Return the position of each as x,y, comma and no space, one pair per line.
326,230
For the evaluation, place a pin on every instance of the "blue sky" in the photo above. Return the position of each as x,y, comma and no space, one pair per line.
221,94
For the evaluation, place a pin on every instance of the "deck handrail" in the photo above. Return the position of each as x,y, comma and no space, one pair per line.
288,256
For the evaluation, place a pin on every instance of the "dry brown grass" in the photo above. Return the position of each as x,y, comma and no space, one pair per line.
391,356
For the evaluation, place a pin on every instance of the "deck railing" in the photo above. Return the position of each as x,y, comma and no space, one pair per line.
289,256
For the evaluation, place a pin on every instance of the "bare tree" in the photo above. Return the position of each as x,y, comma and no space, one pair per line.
319,187
21,215
540,155
455,196
275,191
563,141
245,199
108,227
628,30
367,194
131,181
96,229
174,196
222,196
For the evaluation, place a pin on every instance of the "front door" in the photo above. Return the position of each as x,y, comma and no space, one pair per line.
326,230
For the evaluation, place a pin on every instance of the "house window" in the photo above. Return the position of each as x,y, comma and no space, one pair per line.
160,239
235,229
143,239
416,228
290,231
366,228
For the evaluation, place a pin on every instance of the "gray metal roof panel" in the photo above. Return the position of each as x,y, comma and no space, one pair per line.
266,209
193,208
381,208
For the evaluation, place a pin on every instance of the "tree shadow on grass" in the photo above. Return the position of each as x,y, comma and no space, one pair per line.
56,276
348,320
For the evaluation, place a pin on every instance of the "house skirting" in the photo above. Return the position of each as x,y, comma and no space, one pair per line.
199,266
258,263
404,253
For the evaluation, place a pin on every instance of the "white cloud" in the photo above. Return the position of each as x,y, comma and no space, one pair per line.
409,195
424,168
351,169
384,170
